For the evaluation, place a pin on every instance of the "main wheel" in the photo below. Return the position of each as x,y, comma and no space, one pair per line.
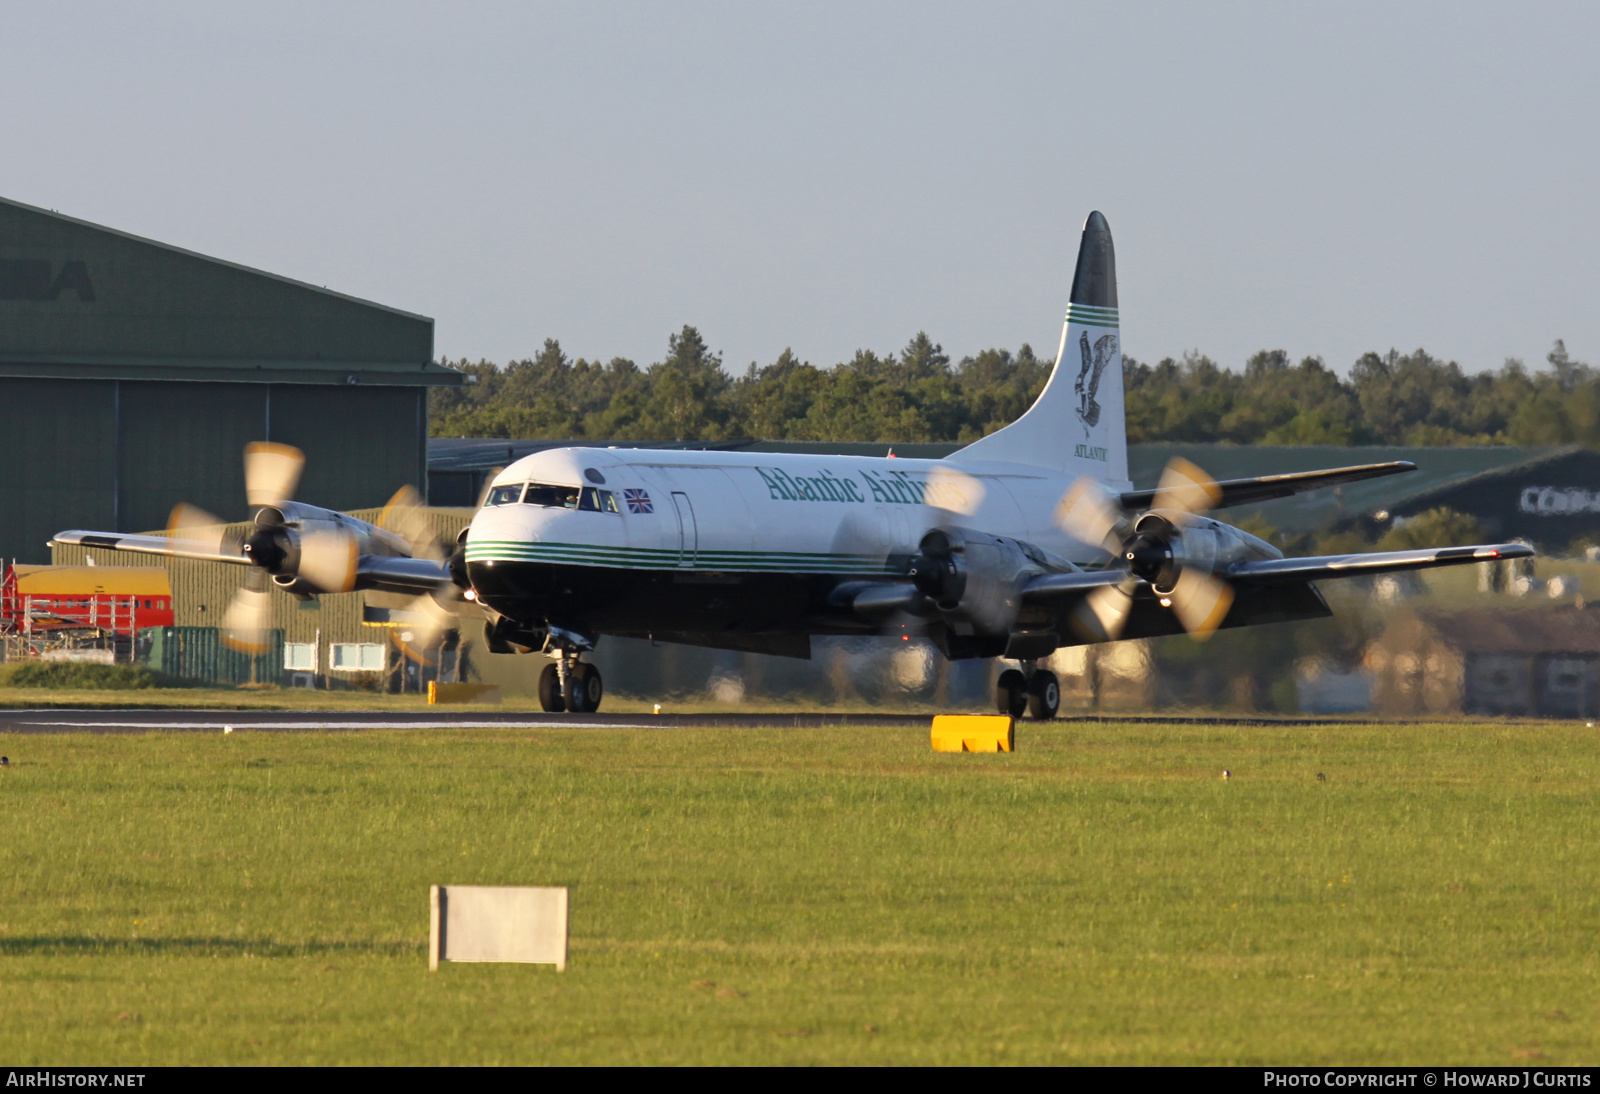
550,697
1044,695
583,688
1011,693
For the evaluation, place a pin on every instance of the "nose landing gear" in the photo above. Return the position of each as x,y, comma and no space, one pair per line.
570,684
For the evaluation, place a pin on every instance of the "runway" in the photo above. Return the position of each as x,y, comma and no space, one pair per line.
103,720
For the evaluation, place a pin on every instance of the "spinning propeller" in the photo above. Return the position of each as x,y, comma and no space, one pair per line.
1152,549
306,551
406,516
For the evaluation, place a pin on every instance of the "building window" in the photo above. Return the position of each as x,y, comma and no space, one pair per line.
353,657
300,656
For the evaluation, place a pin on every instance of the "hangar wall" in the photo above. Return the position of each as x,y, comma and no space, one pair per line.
133,373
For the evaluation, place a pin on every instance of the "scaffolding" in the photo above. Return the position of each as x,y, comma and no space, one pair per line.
61,614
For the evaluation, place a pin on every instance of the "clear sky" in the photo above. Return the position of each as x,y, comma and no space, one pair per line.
1325,178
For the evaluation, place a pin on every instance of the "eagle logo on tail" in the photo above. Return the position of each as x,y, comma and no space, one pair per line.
1088,384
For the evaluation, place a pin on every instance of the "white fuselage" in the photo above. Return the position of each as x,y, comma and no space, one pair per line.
761,512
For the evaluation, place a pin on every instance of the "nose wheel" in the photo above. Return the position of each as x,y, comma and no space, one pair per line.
567,684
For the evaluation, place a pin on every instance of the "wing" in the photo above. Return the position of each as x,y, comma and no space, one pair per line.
402,575
150,545
1050,587
391,573
1269,487
884,599
1272,571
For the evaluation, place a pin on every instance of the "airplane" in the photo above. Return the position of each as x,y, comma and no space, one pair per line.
1025,541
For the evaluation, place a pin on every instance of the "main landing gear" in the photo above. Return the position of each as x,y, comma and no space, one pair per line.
1038,693
570,684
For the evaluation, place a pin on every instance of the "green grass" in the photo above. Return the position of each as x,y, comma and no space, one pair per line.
213,698
31,676
1099,896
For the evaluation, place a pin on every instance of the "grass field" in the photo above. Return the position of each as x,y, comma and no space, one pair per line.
841,896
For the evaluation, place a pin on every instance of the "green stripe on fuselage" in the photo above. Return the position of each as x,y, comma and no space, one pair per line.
589,554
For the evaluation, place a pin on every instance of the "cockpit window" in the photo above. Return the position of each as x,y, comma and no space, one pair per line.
551,497
598,501
587,498
504,495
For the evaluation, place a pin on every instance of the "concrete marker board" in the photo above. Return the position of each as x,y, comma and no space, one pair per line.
497,923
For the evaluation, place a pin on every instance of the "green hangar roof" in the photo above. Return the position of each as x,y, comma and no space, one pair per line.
80,301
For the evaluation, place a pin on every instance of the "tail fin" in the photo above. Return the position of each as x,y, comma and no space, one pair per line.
1076,425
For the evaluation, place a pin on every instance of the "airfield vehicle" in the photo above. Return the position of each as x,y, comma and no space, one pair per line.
1027,540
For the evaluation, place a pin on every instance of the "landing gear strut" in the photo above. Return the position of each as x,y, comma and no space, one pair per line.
570,684
1038,693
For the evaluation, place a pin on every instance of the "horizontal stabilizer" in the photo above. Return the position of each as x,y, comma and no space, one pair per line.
148,545
1270,487
1275,570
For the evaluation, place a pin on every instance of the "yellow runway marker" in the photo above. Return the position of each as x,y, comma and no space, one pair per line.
973,733
462,693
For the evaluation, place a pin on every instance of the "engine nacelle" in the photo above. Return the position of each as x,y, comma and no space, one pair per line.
973,577
309,550
1164,542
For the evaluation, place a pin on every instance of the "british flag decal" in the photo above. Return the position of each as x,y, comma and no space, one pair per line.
638,501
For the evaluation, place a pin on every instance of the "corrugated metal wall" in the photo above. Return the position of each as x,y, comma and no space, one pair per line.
361,443
174,444
57,448
117,456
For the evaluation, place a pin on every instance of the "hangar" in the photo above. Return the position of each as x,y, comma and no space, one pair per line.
133,373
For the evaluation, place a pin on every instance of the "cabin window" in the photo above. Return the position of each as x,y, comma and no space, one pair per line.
598,501
551,497
355,657
504,495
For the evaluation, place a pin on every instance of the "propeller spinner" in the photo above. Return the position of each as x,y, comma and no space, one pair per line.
1150,550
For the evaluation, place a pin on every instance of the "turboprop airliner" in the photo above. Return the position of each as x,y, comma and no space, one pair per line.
1025,541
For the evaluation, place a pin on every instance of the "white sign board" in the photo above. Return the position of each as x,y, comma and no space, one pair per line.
497,923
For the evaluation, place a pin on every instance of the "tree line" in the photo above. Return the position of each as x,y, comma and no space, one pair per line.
919,394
